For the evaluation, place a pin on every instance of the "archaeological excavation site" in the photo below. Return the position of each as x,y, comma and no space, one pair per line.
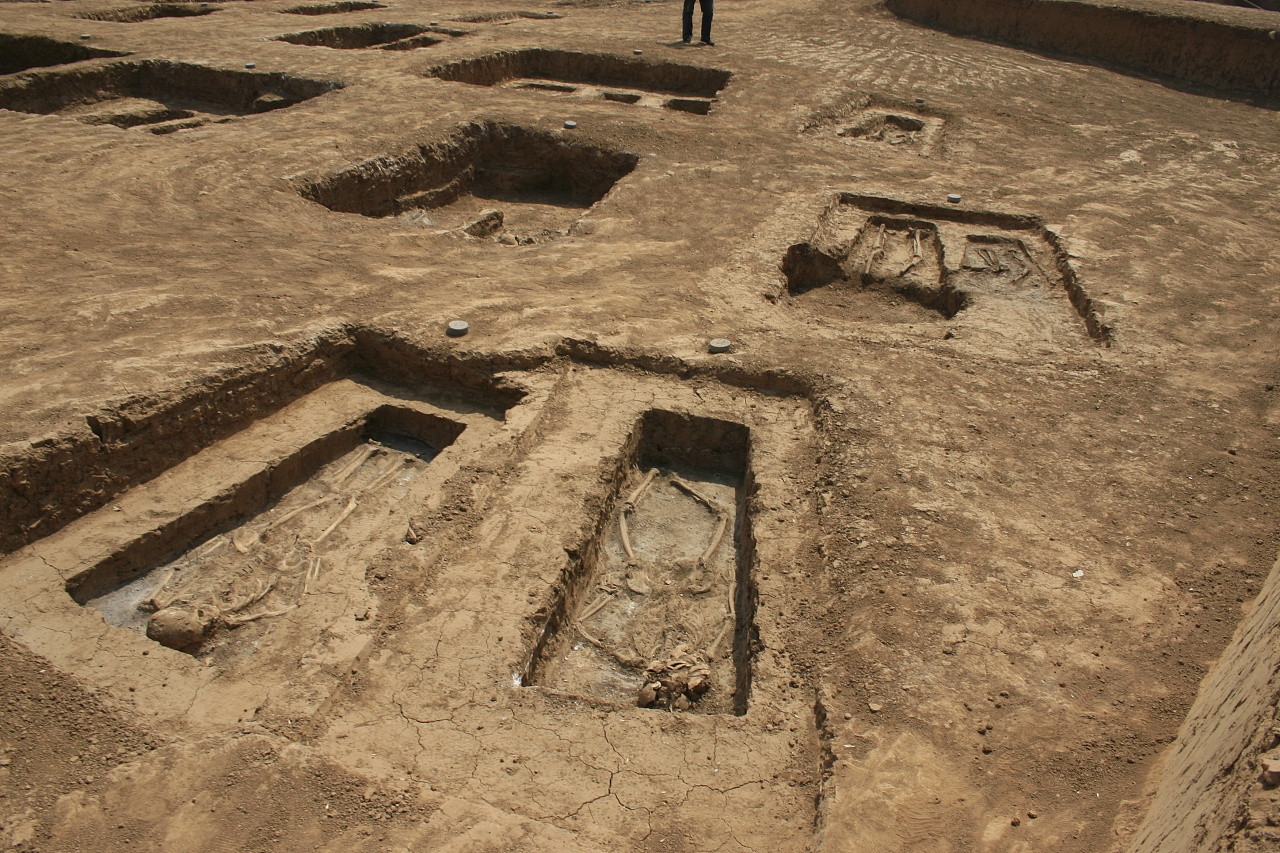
439,425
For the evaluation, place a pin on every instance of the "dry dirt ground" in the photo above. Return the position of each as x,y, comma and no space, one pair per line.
933,559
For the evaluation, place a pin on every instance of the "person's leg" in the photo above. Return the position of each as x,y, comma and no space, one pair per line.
687,20
708,7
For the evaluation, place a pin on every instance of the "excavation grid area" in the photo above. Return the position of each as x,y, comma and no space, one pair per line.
592,76
159,95
660,611
260,553
491,180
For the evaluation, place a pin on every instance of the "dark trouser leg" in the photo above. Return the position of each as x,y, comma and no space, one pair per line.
708,8
687,20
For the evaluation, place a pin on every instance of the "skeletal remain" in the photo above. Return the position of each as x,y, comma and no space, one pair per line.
411,536
254,597
294,512
916,255
630,502
594,607
877,249
628,507
638,582
390,474
249,541
350,468
716,539
236,621
153,602
313,574
713,650
626,538
350,508
211,547
696,495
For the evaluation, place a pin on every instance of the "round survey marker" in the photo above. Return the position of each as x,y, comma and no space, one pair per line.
719,345
457,328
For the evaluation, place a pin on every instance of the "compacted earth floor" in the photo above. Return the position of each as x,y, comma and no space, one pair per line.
932,558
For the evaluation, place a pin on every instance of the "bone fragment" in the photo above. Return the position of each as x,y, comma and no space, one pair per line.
715,540
293,512
626,538
235,621
594,607
696,495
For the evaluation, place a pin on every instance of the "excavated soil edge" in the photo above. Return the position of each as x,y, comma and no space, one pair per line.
1185,47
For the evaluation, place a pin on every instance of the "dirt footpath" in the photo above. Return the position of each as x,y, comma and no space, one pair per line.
855,438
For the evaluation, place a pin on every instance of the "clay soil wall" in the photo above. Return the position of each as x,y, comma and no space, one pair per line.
1190,47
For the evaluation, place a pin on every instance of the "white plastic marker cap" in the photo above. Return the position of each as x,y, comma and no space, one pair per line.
85,36
251,65
719,345
953,198
637,51
457,328
571,124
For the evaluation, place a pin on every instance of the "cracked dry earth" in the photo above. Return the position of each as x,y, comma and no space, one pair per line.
933,559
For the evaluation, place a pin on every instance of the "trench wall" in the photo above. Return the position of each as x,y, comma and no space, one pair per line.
1188,47
1213,760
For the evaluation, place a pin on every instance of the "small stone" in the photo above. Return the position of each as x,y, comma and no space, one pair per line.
1032,815
1015,822
682,703
457,328
919,100
875,707
646,695
719,345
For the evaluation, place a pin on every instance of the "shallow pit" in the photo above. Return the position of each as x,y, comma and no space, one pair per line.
157,94
334,8
898,255
541,182
21,53
659,610
138,14
499,17
383,36
592,76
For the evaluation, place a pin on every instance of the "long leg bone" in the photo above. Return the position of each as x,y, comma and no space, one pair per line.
294,512
235,621
696,495
715,540
350,508
350,468
628,507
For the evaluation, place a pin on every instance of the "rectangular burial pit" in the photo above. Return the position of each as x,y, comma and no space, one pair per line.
21,53
160,95
382,36
334,8
210,582
659,611
138,14
593,76
538,183
1007,272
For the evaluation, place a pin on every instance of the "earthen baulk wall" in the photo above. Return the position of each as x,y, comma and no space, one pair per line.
1186,47
1201,788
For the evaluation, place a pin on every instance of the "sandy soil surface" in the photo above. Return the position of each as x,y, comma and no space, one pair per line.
935,557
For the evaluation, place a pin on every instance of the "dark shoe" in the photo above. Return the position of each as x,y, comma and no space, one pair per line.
709,43
686,41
